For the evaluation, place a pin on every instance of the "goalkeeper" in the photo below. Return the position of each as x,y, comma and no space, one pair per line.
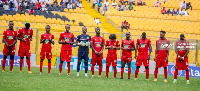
83,41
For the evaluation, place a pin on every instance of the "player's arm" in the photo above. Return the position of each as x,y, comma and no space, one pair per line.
31,38
167,52
150,48
102,48
176,50
72,38
118,46
106,45
52,40
187,51
77,41
133,48
92,46
19,35
4,39
155,59
15,41
62,42
136,51
42,39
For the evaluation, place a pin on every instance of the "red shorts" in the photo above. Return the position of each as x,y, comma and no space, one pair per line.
161,62
66,55
24,52
43,53
126,58
182,65
111,59
141,60
7,52
96,59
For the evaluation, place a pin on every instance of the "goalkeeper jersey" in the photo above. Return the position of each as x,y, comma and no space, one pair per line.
83,38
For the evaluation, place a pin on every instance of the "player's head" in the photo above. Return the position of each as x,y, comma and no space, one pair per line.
128,34
143,35
162,34
11,24
182,37
84,29
67,27
112,37
27,26
48,28
97,30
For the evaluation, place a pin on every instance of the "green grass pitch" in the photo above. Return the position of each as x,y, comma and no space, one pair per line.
16,81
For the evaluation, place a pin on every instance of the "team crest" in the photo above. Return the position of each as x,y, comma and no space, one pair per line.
145,41
28,31
87,37
100,39
69,35
114,44
49,37
129,42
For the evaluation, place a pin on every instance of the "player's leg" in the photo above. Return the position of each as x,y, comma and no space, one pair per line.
165,73
176,70
138,64
108,62
187,76
147,72
136,71
100,65
86,67
11,62
20,63
93,62
122,68
114,64
21,53
165,64
68,68
62,59
4,63
60,66
80,54
29,64
49,66
158,64
41,64
146,64
129,69
69,53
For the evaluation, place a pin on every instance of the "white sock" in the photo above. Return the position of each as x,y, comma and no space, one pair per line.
175,79
187,80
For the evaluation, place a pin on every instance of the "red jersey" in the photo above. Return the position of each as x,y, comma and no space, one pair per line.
114,43
46,46
182,47
67,37
10,36
143,46
97,43
127,44
162,47
26,35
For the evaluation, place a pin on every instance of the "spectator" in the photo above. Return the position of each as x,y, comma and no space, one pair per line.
139,2
163,11
70,5
177,11
80,4
168,11
122,7
26,5
61,3
22,11
6,6
48,2
41,1
123,26
127,26
119,8
188,5
97,20
186,13
11,4
31,12
173,11
106,3
114,4
22,5
121,1
181,12
125,8
104,9
55,2
157,3
130,7
183,5
33,1
94,3
66,2
99,4
43,7
15,5
1,3
164,1
38,6
131,1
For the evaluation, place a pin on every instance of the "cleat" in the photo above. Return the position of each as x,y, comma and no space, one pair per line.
68,74
40,73
92,75
20,71
99,76
3,70
77,74
165,80
174,82
128,78
155,80
60,74
106,77
29,72
86,75
135,79
48,73
115,78
188,83
121,78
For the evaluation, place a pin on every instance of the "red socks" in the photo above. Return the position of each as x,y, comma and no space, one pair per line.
3,64
49,68
129,72
11,64
165,73
155,73
175,74
107,70
41,63
136,72
60,67
115,72
29,64
92,69
21,62
122,72
147,73
68,67
100,69
187,75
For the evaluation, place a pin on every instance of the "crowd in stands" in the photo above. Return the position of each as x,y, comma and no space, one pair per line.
125,25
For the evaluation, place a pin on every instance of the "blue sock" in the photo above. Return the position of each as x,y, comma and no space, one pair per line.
78,66
86,66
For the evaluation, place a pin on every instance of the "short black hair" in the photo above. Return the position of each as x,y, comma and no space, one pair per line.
112,36
182,35
27,25
48,25
162,32
10,21
144,34
97,28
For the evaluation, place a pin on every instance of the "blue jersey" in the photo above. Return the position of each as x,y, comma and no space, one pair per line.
83,38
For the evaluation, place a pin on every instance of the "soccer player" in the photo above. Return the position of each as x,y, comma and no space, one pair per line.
46,39
10,39
143,46
97,43
127,47
112,45
83,41
25,36
161,55
182,50
67,40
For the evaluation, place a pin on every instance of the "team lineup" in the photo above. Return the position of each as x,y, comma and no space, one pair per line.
142,49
